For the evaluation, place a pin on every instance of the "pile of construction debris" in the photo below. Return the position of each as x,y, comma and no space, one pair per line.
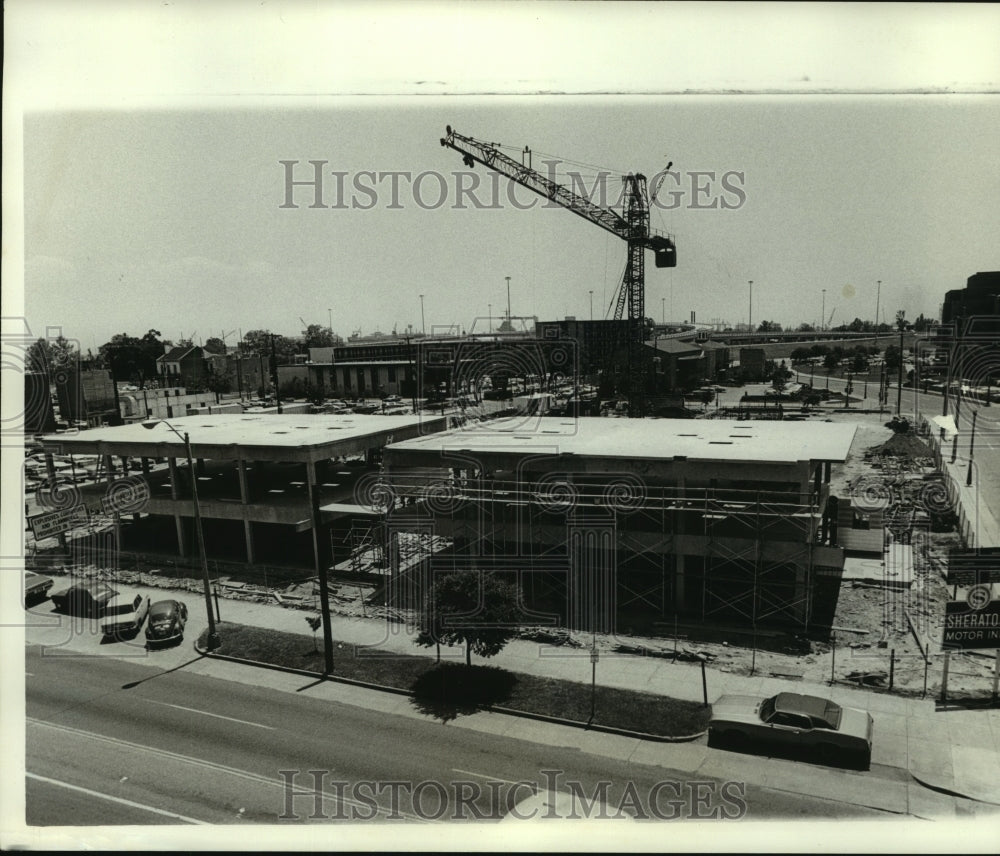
908,446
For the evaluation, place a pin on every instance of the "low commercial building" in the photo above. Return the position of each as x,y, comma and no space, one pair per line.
254,476
626,524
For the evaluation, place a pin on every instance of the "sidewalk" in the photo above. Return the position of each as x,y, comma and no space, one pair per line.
955,751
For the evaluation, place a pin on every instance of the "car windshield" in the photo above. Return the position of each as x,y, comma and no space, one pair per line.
161,613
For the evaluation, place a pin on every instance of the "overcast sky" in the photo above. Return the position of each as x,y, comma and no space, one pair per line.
153,187
173,219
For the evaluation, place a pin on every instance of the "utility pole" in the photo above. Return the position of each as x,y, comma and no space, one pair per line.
423,328
508,301
591,304
899,384
878,297
822,313
274,363
750,315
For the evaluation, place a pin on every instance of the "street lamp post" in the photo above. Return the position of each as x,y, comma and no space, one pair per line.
750,313
822,312
213,636
972,442
423,328
878,297
508,300
591,304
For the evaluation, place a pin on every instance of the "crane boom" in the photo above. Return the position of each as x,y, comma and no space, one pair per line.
632,226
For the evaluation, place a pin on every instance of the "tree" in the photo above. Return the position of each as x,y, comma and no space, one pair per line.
133,359
214,345
901,322
923,324
321,337
472,608
800,355
769,327
892,357
52,355
805,328
259,342
780,377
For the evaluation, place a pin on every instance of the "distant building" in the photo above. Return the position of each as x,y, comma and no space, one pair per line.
752,362
182,366
677,365
38,415
716,358
86,395
980,297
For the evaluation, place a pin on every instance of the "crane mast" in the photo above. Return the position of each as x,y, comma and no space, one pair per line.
632,226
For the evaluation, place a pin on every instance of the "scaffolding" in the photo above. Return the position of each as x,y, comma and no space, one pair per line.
711,553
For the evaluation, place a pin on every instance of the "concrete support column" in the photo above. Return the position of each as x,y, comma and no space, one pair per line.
109,468
241,466
144,463
124,460
174,495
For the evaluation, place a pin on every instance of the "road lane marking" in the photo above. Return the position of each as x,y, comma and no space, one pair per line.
220,768
206,713
488,777
121,800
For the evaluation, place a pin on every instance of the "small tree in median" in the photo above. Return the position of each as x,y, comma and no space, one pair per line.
473,608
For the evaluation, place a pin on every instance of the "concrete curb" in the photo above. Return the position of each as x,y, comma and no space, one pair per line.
541,717
951,792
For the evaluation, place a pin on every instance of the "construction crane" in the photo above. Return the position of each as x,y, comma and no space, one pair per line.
632,226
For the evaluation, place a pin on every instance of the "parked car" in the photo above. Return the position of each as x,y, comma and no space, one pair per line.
392,399
166,622
809,723
36,587
124,614
84,599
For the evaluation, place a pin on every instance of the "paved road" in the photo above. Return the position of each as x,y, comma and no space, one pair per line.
117,740
984,447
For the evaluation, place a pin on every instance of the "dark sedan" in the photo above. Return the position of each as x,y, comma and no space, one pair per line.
166,622
36,587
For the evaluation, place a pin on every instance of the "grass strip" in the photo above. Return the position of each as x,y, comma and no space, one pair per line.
447,690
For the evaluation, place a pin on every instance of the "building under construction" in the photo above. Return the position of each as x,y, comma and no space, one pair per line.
614,524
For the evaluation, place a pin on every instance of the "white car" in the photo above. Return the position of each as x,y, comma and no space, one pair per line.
803,722
125,614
